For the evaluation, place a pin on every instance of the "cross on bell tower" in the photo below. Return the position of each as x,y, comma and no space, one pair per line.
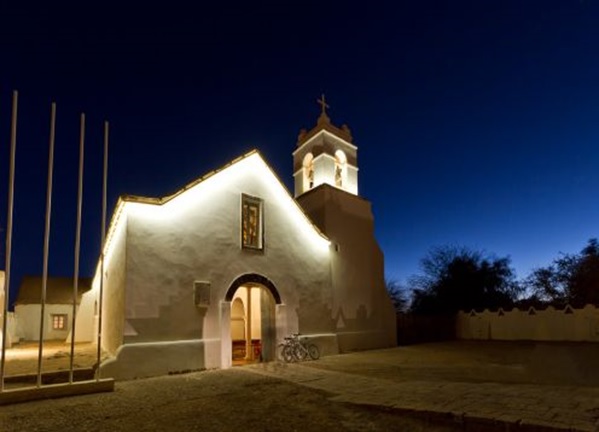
323,105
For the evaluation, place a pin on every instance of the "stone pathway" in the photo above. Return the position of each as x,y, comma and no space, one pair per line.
495,406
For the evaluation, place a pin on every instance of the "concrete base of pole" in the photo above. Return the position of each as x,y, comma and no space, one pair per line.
53,391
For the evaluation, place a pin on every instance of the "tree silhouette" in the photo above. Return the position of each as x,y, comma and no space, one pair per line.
571,278
456,279
398,295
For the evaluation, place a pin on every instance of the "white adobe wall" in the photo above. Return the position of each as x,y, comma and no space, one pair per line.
545,325
86,325
113,297
196,237
11,326
298,182
28,321
114,290
113,323
352,179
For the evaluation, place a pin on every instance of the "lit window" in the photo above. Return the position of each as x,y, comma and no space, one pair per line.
59,322
251,222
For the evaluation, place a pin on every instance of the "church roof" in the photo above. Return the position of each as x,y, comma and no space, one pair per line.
167,198
59,290
124,199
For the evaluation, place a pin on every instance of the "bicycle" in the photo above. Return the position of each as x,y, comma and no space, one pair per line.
296,349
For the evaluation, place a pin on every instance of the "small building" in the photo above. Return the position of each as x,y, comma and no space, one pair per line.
58,311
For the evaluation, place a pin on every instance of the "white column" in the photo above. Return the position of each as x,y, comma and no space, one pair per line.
225,336
249,351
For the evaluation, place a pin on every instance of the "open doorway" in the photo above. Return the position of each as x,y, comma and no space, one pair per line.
249,330
246,323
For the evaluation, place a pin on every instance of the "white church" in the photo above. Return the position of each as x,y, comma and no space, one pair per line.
232,263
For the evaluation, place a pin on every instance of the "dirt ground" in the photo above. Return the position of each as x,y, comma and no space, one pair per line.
207,401
23,358
220,400
226,400
540,363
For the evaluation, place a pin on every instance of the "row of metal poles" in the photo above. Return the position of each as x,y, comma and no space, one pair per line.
9,230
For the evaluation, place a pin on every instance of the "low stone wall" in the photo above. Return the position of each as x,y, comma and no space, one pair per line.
548,324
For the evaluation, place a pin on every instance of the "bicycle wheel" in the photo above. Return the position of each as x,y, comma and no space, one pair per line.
314,352
300,352
280,349
288,355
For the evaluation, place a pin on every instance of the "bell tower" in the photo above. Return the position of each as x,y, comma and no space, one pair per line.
325,155
326,187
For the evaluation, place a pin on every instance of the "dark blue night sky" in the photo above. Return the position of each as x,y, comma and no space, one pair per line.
477,122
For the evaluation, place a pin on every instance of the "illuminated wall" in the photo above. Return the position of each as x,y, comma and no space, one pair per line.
115,287
28,324
195,235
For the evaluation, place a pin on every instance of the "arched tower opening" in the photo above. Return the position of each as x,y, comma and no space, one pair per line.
340,169
308,166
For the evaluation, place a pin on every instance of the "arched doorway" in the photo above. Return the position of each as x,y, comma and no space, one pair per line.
248,320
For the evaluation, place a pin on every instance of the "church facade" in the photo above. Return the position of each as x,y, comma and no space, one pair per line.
233,263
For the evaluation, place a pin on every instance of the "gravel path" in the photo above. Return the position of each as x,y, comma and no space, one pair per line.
220,400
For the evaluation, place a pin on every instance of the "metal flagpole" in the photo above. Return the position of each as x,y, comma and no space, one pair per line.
103,243
46,241
11,187
77,244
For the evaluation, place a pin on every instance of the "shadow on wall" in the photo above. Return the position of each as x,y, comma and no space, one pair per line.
357,331
314,317
362,320
180,319
168,343
319,318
